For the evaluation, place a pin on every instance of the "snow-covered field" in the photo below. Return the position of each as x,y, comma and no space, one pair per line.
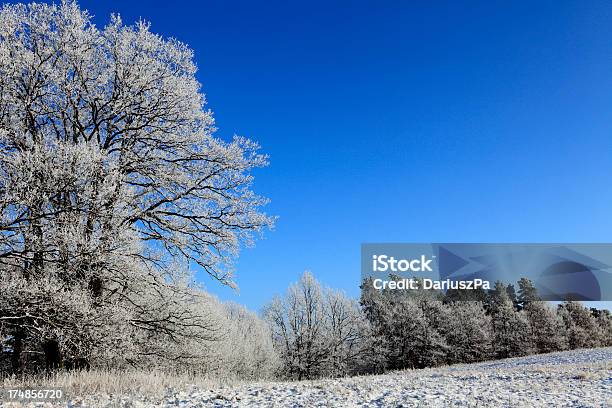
580,378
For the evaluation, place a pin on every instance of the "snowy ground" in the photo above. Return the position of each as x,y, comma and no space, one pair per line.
581,378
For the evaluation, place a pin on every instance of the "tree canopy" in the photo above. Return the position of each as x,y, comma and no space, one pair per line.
112,184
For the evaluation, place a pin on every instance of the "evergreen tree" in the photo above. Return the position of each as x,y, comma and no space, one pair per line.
527,293
604,320
511,336
581,326
546,327
470,336
512,295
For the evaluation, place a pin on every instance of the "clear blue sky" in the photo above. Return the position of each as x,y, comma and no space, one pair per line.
404,121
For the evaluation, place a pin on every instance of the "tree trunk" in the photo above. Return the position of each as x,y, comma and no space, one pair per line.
18,337
53,357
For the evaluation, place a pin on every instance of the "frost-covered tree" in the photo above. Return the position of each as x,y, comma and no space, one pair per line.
374,306
317,331
604,321
470,334
548,332
110,175
413,329
582,328
527,293
409,327
511,335
432,325
347,334
297,323
401,324
512,295
245,349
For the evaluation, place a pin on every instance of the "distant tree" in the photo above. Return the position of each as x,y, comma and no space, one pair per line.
348,335
547,329
582,328
410,326
511,335
512,295
604,321
527,293
402,327
317,331
432,343
375,307
246,349
470,334
415,328
495,295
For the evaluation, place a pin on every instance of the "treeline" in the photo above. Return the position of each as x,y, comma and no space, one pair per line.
309,332
320,332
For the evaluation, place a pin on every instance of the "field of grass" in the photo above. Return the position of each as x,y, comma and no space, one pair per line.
578,378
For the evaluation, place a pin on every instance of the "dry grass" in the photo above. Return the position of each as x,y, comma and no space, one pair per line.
151,383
